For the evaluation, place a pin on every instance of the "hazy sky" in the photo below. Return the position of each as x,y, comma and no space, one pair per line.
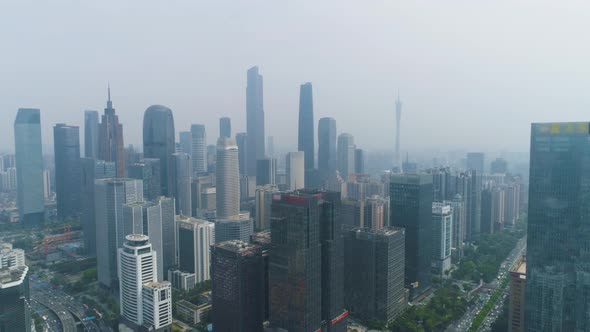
472,74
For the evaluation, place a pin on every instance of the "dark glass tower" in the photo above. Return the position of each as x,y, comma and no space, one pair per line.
411,208
557,296
327,159
91,134
29,166
241,141
66,140
110,138
158,142
254,120
307,296
266,171
15,306
225,127
237,284
148,170
305,138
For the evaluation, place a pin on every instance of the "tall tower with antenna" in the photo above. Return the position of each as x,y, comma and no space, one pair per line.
398,116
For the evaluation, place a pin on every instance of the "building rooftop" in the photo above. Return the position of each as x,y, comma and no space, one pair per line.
157,284
440,208
239,247
520,268
13,276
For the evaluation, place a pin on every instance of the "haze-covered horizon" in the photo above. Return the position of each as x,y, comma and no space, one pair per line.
471,75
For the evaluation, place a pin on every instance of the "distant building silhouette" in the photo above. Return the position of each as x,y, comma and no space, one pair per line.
241,141
198,149
295,170
346,159
66,143
327,158
110,138
159,142
91,134
224,127
148,170
254,120
182,183
398,119
306,141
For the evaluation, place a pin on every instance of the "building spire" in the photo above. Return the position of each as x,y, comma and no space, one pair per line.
109,91
109,108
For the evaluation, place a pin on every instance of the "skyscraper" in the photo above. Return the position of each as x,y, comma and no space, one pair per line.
327,159
254,120
158,142
306,132
263,202
442,230
198,149
182,183
398,121
498,166
411,208
237,284
228,179
359,161
195,236
295,170
29,166
91,134
241,141
148,170
475,161
15,306
224,127
185,141
266,171
374,278
558,264
110,138
66,143
346,159
270,146
110,196
305,227
91,170
239,227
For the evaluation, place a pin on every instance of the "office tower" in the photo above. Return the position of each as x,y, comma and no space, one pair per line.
498,166
185,141
475,161
397,163
195,236
492,210
558,236
266,171
254,120
442,184
156,220
353,212
459,220
91,170
157,305
91,134
29,166
132,156
411,208
327,159
374,278
468,185
110,196
225,127
237,286
306,141
376,212
110,138
305,226
46,183
182,280
211,158
247,188
516,309
359,161
66,143
198,149
199,184
182,183
158,142
262,239
270,146
238,227
15,306
295,170
145,301
263,202
148,170
241,141
442,230
346,155
511,203
209,198
228,179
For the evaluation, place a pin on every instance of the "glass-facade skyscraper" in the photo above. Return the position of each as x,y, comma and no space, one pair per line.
158,142
224,127
110,138
29,166
327,159
66,140
557,294
305,138
254,120
91,134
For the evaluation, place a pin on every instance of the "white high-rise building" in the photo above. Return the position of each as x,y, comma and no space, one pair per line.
198,149
144,300
442,230
228,179
46,184
157,304
345,152
263,202
11,257
195,236
295,170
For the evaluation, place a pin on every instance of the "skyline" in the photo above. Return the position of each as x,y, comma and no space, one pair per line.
483,74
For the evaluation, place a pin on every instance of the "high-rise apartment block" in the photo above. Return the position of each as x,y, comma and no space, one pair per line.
442,230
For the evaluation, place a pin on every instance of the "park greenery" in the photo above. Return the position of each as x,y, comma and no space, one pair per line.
446,306
73,267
